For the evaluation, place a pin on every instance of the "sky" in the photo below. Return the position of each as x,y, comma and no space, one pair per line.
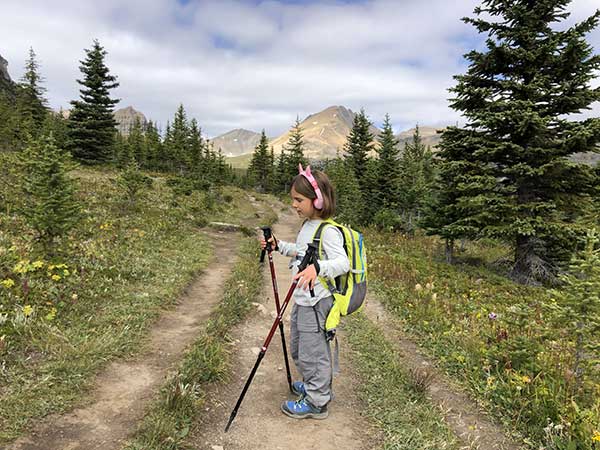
258,64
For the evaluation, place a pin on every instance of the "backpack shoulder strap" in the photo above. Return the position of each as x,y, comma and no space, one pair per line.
317,241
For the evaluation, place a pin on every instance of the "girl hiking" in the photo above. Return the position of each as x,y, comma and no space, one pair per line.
314,201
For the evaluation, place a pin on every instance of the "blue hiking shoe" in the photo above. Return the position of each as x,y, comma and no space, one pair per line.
299,389
302,409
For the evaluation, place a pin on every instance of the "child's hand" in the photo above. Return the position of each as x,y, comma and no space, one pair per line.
272,241
307,277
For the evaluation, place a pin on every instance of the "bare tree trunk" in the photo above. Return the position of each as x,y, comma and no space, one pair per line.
449,251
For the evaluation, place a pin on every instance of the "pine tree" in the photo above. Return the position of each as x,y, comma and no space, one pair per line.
91,123
56,125
195,145
153,147
358,145
177,142
273,165
281,172
577,306
49,203
295,151
447,213
135,142
514,149
386,186
31,103
350,205
260,170
415,181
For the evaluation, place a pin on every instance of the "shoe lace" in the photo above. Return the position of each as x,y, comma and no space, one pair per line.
300,402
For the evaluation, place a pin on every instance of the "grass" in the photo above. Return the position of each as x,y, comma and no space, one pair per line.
407,420
63,318
498,338
168,421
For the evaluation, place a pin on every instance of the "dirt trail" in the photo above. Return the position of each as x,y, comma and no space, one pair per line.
260,424
469,423
124,389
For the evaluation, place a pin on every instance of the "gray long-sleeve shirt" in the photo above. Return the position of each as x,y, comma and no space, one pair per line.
334,263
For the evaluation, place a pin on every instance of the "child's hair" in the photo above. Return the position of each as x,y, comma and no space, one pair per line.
303,187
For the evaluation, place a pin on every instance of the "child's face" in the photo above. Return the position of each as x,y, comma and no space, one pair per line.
303,205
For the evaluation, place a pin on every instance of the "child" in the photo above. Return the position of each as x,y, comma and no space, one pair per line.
313,199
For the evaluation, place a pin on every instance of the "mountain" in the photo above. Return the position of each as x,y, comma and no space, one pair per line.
237,142
126,118
324,132
6,83
429,136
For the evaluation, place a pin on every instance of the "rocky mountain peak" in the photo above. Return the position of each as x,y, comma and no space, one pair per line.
325,132
6,84
126,118
4,69
237,142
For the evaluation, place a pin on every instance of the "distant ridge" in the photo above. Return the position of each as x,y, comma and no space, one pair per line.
324,132
236,142
429,135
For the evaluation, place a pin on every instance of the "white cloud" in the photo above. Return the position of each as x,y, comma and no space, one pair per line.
257,64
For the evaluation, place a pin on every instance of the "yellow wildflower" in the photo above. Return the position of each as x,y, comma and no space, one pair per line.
37,264
56,277
525,379
8,283
22,266
27,310
66,273
596,436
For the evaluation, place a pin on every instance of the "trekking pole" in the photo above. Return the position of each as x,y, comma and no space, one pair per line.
268,234
309,258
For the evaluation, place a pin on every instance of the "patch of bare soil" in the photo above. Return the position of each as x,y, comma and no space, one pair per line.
260,424
124,389
471,425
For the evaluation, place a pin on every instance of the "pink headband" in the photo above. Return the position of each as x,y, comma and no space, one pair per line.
318,202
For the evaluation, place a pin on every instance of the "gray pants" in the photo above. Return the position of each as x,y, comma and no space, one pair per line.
311,351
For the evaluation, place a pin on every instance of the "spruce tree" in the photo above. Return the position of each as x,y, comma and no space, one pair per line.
517,96
295,151
195,146
281,172
135,142
358,145
448,213
56,125
49,202
31,103
177,142
386,186
350,205
260,170
91,122
415,180
153,146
